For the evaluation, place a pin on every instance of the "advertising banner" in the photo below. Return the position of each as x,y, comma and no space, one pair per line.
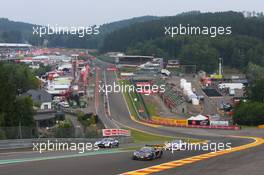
116,132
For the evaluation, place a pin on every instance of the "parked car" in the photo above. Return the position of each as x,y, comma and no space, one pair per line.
64,104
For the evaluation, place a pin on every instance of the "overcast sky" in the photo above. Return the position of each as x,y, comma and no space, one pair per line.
89,12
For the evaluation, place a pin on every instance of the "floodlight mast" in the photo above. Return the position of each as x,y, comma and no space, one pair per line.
220,66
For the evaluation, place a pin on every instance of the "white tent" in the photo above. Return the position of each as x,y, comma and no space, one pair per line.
191,118
198,118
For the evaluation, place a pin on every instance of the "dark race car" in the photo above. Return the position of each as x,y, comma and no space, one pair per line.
148,153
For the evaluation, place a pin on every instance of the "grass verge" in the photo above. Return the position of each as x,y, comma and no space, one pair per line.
151,109
147,138
139,136
128,100
142,136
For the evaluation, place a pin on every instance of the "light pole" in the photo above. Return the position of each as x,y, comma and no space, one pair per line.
20,130
220,66
19,124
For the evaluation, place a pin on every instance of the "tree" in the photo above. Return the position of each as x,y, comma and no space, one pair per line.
12,36
2,119
205,57
23,111
256,90
254,72
252,112
16,79
249,113
42,70
64,129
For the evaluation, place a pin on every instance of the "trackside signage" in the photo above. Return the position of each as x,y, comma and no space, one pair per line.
219,123
112,69
116,132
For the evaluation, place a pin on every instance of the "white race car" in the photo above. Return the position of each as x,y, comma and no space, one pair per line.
107,143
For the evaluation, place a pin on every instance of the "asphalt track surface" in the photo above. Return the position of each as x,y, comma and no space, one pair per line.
104,162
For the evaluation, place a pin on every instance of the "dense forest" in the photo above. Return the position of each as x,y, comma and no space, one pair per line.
93,41
15,32
243,46
145,35
18,32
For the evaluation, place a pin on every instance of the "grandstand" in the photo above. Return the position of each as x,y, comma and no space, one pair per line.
172,98
13,49
132,60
